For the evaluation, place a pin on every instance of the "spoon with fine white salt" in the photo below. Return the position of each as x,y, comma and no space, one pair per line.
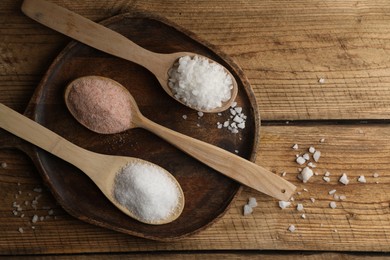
105,106
223,84
140,189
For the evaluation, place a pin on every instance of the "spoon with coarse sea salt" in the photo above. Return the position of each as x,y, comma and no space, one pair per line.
105,106
161,65
164,199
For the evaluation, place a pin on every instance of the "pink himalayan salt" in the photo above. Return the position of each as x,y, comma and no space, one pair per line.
100,105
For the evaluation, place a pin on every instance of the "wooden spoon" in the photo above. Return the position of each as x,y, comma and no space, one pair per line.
102,169
106,40
229,164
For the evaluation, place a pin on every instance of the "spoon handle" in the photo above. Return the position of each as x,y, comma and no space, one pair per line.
229,164
42,137
89,32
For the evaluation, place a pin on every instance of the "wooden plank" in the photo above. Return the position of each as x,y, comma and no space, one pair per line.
284,48
359,223
209,255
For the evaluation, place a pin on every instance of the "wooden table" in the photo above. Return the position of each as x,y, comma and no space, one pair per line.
319,70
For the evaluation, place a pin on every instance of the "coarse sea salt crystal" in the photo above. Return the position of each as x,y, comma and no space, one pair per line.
332,192
306,156
332,205
316,155
312,149
295,147
325,178
291,228
247,210
300,160
375,175
252,202
344,179
305,174
284,204
202,84
299,206
362,179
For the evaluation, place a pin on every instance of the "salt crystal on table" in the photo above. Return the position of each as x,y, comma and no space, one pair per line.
362,179
291,228
252,202
332,192
312,200
299,207
300,160
344,179
295,147
200,113
284,204
327,174
312,149
247,210
325,178
306,156
184,117
332,205
305,174
303,216
316,156
375,175
321,81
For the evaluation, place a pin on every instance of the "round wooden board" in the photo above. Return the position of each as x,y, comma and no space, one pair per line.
208,193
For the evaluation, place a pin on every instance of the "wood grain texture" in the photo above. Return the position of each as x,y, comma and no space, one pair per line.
359,223
284,47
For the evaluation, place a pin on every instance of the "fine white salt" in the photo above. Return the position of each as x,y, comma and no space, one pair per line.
199,83
146,191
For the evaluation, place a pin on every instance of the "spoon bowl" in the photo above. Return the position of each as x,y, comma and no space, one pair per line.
102,169
106,40
83,92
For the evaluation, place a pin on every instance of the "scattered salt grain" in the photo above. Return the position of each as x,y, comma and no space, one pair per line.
34,219
295,147
3,165
303,216
305,174
252,202
247,210
284,204
375,175
344,179
312,149
327,174
291,228
300,160
312,200
325,178
200,113
305,190
342,197
306,156
21,230
332,192
316,155
362,179
321,81
284,174
322,140
332,205
199,83
299,207
146,191
312,165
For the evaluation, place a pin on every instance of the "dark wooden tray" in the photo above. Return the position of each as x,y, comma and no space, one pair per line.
208,194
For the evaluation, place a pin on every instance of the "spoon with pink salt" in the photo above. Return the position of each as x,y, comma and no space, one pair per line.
140,189
161,65
105,106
